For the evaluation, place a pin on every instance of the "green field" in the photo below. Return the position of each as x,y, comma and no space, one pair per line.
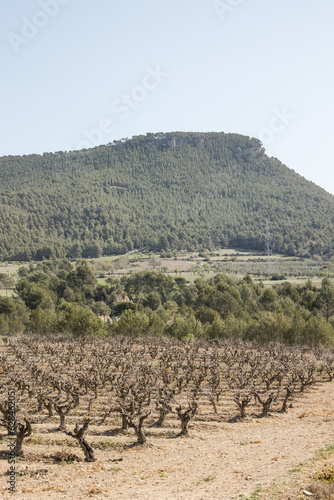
9,293
191,265
228,261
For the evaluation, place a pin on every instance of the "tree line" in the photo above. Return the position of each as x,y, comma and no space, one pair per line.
60,297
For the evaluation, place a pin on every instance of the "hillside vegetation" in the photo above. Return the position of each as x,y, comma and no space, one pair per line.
175,191
57,297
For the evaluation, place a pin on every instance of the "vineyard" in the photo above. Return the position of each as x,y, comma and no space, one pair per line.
136,386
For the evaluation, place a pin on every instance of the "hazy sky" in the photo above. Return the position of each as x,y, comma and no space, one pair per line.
77,73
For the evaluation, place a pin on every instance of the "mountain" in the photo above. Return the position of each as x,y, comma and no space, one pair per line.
162,191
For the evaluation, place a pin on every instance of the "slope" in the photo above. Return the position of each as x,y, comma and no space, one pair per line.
160,192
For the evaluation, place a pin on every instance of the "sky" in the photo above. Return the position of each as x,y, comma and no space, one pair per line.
79,73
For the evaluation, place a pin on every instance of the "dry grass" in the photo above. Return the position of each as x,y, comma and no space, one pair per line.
322,490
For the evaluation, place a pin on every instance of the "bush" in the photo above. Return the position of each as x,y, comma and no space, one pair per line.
278,277
79,320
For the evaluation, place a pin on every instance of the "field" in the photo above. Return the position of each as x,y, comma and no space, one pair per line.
228,261
156,418
191,265
267,454
9,270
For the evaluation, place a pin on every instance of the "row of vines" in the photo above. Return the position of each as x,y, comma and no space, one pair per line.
142,383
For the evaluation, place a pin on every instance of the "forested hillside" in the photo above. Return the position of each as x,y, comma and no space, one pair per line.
170,191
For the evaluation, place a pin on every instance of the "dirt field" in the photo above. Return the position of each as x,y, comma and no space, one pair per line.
220,460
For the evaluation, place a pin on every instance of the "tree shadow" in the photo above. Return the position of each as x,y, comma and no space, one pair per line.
178,436
235,419
112,432
131,446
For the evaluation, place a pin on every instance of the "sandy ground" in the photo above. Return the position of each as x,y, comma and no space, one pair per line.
219,460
